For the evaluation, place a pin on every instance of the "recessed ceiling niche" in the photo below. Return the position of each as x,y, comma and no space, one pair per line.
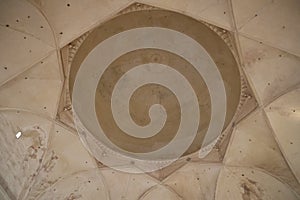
152,84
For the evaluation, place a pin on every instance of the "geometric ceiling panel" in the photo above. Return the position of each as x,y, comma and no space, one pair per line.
215,12
82,185
160,192
253,145
218,14
21,158
23,17
277,25
195,181
126,185
61,13
245,11
21,52
284,115
271,71
237,183
61,160
37,90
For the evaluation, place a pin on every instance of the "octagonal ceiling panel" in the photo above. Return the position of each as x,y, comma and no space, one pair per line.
284,114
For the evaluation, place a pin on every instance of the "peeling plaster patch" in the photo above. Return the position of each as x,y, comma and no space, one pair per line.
23,160
251,190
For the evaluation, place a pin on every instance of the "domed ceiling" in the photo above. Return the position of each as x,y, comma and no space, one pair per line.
149,100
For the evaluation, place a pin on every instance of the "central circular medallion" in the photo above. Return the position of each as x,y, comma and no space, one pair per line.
151,86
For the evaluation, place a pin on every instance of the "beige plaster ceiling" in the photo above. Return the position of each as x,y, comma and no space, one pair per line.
43,45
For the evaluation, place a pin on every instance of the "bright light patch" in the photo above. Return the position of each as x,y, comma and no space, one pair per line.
18,135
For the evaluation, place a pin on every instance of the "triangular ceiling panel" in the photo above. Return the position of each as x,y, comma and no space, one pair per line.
284,114
271,71
253,145
195,180
37,90
70,19
23,17
20,52
277,25
215,12
245,10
